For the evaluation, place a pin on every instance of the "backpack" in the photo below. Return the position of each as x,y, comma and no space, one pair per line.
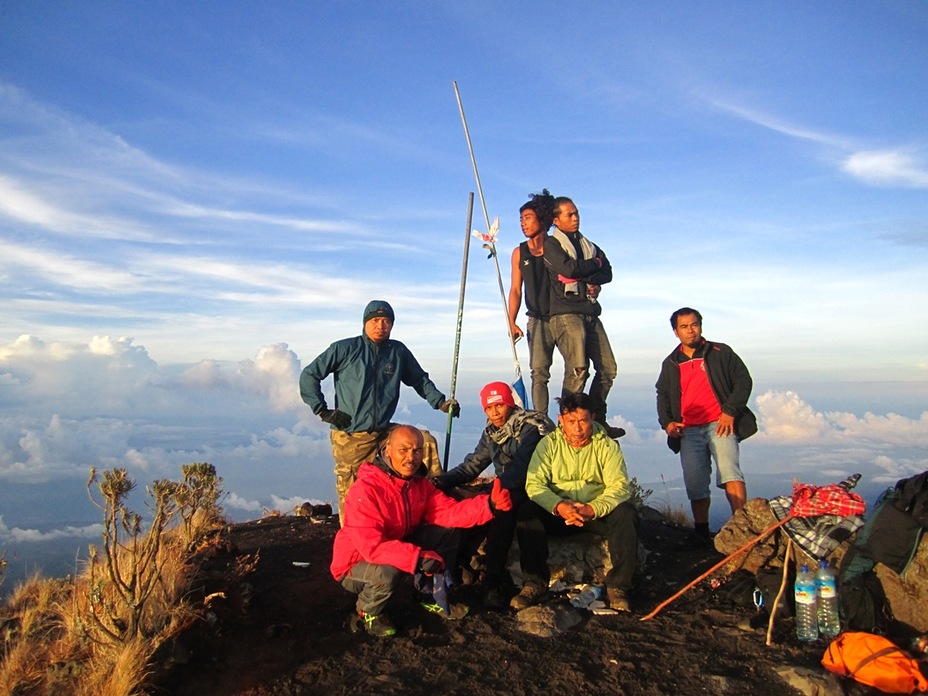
863,605
875,661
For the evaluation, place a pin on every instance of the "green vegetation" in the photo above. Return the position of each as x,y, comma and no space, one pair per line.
639,495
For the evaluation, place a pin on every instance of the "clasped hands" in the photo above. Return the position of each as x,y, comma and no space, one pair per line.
574,513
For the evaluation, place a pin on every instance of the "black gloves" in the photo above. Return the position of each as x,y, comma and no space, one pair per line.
430,562
450,406
337,418
440,483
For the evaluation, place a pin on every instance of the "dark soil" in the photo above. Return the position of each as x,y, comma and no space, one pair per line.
282,629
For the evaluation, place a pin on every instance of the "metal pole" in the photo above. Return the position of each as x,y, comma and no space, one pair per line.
492,245
457,336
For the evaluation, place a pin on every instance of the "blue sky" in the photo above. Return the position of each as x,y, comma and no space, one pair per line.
196,199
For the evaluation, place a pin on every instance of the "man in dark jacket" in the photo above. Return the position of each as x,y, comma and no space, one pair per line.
702,397
368,372
507,442
576,269
397,523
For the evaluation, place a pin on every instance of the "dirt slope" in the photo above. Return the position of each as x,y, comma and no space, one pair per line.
284,629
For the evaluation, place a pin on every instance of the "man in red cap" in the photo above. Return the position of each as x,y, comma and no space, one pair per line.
507,442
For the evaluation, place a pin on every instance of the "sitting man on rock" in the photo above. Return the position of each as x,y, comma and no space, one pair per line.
578,482
507,442
396,523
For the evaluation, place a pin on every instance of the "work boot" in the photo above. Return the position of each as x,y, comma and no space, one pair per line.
495,598
617,599
455,611
378,626
613,432
530,595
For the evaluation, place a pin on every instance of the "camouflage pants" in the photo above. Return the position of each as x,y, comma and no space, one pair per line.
350,450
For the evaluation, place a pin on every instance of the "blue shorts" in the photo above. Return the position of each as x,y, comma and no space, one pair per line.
699,445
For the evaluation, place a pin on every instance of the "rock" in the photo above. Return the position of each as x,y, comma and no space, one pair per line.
907,594
745,526
810,682
575,559
546,621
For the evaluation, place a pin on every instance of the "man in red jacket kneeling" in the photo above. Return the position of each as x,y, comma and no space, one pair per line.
396,522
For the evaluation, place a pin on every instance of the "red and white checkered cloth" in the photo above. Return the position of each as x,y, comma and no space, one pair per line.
832,499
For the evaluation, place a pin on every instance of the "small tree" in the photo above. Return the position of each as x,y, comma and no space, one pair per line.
197,499
130,555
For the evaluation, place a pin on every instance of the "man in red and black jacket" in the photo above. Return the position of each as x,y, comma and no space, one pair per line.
702,397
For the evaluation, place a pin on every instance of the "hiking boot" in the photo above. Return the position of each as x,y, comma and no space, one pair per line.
495,598
702,540
455,612
612,431
617,599
377,626
528,596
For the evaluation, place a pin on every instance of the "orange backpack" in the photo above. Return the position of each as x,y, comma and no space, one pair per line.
875,661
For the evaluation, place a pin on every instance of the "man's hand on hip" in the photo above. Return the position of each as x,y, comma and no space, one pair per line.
339,419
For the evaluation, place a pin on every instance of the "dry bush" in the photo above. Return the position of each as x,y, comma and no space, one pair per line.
674,514
122,673
30,632
96,634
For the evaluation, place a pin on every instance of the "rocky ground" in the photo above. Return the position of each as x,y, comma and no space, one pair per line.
283,628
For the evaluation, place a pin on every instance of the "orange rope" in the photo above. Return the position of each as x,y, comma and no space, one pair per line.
718,565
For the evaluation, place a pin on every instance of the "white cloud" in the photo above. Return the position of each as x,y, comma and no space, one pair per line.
786,418
237,502
17,534
888,168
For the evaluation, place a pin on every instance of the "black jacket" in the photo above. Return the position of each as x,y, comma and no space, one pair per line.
730,381
584,271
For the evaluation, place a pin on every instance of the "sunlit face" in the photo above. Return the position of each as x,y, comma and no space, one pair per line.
403,450
498,414
688,330
378,328
567,218
577,427
530,223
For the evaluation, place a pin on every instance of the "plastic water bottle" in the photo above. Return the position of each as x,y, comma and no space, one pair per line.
829,624
806,613
587,596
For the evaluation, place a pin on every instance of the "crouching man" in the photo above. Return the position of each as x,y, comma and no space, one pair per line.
396,523
578,482
507,442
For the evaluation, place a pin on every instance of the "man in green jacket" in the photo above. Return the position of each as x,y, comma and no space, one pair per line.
578,482
368,371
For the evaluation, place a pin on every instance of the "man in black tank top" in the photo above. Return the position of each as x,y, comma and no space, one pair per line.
528,269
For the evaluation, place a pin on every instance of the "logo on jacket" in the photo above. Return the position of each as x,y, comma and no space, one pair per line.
389,368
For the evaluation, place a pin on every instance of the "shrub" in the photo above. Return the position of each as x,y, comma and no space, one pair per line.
95,635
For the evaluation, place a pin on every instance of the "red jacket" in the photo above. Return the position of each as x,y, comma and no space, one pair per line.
382,508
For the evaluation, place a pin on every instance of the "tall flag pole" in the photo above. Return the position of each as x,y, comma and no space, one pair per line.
457,335
489,243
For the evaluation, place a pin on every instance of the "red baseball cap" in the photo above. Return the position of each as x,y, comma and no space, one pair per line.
497,393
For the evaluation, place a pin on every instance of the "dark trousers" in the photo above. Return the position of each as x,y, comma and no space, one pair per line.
619,528
374,583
